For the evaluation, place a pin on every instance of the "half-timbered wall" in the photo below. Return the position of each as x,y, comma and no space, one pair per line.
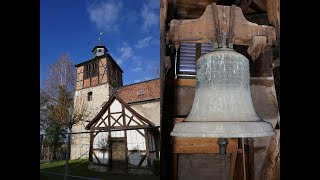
100,78
100,148
118,122
115,73
106,68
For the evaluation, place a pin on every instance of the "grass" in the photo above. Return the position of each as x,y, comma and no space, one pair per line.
80,168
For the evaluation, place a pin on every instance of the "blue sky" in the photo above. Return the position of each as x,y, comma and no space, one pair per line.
130,32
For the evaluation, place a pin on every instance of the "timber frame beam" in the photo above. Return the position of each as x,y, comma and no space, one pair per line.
217,19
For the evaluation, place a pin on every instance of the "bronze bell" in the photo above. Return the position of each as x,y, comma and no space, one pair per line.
222,104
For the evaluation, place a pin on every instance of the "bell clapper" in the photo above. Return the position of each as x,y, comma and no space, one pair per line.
223,142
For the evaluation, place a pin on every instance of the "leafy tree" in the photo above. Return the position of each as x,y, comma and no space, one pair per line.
55,137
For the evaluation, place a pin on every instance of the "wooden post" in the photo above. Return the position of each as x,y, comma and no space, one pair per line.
146,136
175,166
198,50
91,146
233,164
208,146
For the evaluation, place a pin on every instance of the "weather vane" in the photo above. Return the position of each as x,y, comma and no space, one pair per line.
100,37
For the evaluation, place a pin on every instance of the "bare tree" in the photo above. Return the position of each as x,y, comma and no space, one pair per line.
61,73
60,87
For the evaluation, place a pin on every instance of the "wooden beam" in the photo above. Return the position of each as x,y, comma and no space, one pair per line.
109,117
136,127
146,137
257,46
117,121
202,30
143,158
250,158
140,132
273,7
233,164
96,157
259,5
175,165
190,9
125,135
91,146
198,50
185,82
201,145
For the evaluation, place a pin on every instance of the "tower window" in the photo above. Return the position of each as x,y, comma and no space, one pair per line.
89,96
91,70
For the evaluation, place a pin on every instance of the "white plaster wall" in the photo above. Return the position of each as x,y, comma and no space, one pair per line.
99,141
100,94
81,142
151,111
136,142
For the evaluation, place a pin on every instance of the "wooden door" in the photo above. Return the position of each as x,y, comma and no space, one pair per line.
118,159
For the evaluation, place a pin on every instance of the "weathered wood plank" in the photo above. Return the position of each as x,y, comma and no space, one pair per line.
175,165
233,164
91,146
259,5
185,82
273,7
256,47
202,30
120,127
143,158
201,145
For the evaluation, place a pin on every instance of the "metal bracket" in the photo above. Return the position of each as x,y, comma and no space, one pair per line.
231,26
216,23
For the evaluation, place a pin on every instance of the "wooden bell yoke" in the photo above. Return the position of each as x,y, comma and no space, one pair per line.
217,19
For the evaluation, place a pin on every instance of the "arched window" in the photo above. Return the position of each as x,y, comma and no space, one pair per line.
90,96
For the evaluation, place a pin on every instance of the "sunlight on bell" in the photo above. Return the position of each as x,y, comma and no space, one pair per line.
222,105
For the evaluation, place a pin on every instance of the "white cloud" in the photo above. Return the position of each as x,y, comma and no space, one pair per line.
137,69
130,17
145,42
126,53
142,79
105,14
150,14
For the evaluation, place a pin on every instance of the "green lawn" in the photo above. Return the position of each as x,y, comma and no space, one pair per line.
80,168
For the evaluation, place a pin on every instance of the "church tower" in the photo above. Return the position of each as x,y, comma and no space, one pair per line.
96,80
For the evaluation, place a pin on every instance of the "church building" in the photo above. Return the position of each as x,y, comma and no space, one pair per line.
122,128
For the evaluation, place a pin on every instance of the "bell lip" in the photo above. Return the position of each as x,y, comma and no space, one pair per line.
223,129
219,135
247,117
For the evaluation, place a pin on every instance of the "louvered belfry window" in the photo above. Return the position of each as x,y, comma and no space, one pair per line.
189,53
91,70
